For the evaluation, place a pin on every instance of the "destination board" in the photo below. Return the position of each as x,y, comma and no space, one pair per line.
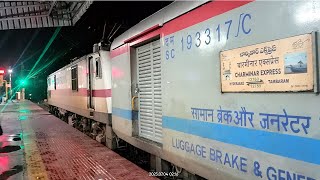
280,65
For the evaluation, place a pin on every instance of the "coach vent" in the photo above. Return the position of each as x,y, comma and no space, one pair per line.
148,64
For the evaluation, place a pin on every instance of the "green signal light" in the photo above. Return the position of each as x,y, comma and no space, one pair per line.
23,82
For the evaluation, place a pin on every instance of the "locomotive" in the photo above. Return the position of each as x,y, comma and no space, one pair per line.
170,86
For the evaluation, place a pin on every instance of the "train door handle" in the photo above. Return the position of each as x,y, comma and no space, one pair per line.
132,102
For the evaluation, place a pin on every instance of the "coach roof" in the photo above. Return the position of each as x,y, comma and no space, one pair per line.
164,15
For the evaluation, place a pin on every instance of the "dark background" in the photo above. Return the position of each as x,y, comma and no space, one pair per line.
73,41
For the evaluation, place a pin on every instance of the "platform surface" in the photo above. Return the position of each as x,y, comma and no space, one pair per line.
37,145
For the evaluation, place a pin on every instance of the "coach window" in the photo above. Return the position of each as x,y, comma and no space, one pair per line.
55,81
98,68
74,78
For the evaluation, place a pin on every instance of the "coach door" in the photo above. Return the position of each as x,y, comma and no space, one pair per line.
90,90
149,83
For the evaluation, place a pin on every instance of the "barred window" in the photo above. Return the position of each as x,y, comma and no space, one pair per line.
74,78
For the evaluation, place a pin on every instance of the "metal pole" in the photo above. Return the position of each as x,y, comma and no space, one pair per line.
10,86
22,94
6,89
7,92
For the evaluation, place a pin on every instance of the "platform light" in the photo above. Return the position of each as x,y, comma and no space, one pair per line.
10,71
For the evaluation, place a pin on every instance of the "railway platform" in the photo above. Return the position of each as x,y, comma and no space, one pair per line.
37,145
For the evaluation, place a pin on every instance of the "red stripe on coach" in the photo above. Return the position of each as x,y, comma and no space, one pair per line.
200,14
101,93
82,92
147,31
120,50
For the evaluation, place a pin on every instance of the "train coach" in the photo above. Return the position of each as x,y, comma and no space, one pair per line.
80,93
219,89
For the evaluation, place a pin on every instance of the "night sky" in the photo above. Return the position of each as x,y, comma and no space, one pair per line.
20,49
